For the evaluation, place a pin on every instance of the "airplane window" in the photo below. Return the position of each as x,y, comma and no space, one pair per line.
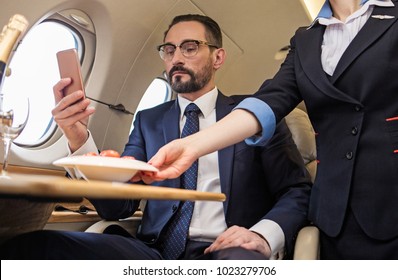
34,71
159,91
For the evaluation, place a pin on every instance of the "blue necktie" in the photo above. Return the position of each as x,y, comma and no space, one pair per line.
177,232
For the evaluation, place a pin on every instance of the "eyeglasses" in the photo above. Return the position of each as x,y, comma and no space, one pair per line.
188,48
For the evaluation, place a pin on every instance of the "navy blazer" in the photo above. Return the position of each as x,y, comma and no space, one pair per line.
259,182
353,115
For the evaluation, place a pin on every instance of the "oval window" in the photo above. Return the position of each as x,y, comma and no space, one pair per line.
34,71
158,92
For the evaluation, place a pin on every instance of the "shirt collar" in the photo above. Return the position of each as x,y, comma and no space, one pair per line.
206,102
327,13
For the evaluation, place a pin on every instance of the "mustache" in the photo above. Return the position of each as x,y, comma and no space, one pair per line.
179,68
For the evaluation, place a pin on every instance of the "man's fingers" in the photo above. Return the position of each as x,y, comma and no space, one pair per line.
59,87
236,236
70,116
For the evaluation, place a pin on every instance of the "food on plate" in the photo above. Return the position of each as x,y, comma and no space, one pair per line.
128,157
110,153
91,154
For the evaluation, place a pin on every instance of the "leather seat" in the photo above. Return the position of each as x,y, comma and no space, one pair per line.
307,243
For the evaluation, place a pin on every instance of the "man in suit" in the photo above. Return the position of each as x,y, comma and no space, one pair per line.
267,188
343,66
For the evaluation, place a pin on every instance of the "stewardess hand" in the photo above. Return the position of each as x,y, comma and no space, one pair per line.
171,160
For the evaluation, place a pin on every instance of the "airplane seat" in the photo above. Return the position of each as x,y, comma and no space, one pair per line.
304,136
129,224
307,243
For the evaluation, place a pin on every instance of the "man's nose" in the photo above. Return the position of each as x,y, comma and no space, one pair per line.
178,57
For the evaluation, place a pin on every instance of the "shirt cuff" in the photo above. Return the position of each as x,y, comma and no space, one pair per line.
87,147
274,235
264,114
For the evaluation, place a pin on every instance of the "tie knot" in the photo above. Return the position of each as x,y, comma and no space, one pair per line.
192,108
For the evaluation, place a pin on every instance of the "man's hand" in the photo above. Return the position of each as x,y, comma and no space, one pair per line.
236,236
71,114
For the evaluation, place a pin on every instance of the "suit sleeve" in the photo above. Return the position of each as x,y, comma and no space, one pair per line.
281,93
289,183
136,144
274,100
119,209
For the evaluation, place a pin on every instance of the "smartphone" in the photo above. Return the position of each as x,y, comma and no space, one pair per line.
69,67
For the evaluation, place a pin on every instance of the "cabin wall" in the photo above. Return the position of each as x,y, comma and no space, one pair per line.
127,32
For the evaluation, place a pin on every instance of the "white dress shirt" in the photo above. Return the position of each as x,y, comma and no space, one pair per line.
338,35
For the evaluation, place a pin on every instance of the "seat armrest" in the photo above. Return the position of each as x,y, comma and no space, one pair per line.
130,224
307,244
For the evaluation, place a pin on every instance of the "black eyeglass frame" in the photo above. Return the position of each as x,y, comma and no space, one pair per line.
197,42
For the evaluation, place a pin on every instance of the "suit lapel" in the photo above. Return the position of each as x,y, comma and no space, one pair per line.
308,50
369,33
171,121
171,130
224,105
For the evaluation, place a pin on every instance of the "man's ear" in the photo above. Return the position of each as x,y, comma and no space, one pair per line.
219,58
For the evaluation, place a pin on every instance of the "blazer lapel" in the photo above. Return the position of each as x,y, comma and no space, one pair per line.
369,33
224,105
171,130
308,50
171,121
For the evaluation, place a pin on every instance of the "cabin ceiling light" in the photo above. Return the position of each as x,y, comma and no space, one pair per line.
312,8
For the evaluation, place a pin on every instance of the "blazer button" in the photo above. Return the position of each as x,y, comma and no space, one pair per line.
174,208
354,130
349,155
357,108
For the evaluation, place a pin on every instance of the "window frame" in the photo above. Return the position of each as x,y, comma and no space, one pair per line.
168,97
85,38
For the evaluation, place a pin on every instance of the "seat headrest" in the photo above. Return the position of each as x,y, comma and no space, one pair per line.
304,137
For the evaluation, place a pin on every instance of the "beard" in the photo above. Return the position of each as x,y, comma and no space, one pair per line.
196,82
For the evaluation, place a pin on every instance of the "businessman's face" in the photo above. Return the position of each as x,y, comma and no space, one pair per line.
190,67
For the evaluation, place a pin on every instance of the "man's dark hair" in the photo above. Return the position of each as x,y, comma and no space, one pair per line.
213,31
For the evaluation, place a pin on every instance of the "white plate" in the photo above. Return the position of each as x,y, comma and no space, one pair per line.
105,168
